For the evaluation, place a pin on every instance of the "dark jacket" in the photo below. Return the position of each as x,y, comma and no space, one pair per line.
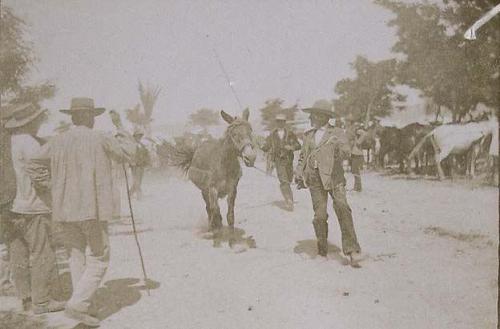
276,146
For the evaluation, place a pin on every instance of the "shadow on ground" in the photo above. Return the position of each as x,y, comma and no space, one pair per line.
15,320
119,293
310,248
230,237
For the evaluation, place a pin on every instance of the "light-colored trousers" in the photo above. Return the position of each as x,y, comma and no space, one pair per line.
87,243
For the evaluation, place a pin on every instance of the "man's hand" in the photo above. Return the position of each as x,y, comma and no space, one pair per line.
300,183
299,179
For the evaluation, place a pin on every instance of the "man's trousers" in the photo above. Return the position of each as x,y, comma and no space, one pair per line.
29,238
319,197
87,269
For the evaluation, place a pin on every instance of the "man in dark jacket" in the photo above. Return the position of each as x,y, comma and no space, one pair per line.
280,145
320,169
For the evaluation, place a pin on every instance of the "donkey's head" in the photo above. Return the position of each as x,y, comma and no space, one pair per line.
239,133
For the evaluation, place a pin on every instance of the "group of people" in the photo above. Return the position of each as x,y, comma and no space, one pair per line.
59,190
320,169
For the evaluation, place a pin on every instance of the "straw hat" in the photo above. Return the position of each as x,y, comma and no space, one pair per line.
23,114
79,104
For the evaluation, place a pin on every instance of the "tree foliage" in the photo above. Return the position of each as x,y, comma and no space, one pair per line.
453,72
272,108
148,95
143,117
17,58
136,116
370,93
204,118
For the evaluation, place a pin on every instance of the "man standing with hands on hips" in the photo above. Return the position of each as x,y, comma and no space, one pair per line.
320,169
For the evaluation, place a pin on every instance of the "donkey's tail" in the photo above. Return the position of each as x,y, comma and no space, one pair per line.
419,145
181,157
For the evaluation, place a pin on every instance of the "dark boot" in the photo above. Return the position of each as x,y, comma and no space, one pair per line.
322,247
321,230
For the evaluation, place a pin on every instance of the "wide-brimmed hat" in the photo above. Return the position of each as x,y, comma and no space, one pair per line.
79,104
23,114
321,107
280,117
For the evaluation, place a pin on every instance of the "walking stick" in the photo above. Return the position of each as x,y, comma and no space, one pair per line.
135,231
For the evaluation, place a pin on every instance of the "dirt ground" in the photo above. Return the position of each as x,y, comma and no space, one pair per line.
431,260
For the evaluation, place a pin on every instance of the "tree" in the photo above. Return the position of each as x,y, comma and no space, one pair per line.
205,118
272,108
438,61
148,95
16,61
137,117
370,93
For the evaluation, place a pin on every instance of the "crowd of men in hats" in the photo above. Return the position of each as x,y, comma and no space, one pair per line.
67,181
320,169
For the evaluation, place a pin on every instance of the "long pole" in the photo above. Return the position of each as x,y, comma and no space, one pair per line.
230,84
135,231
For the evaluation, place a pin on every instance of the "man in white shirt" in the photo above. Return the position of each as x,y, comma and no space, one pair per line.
30,225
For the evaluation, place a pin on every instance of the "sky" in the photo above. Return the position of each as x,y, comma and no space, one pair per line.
295,50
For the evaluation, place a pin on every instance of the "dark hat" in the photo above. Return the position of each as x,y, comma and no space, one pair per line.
23,114
321,107
79,104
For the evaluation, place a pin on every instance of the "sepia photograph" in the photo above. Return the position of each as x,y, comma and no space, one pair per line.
249,164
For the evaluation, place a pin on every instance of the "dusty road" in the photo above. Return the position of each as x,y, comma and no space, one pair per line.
431,260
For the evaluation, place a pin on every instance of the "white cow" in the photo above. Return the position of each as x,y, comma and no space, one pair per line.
457,139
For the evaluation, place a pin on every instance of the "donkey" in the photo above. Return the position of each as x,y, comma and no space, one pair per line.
215,169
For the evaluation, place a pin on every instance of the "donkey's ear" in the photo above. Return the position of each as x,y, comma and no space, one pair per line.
229,119
246,114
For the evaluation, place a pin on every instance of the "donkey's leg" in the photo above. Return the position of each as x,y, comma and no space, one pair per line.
206,198
231,197
216,220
